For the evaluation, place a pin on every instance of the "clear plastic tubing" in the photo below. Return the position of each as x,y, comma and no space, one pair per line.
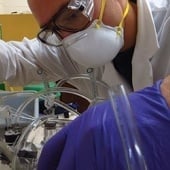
127,128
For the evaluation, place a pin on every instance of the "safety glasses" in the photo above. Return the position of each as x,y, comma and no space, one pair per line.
72,18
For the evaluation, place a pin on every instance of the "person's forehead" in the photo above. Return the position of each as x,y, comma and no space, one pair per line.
43,10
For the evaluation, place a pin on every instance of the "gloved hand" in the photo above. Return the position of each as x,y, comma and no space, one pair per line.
92,141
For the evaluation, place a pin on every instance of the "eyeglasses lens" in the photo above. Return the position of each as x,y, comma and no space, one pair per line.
47,36
67,20
71,20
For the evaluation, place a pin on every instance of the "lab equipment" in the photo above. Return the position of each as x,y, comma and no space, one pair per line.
18,124
29,128
46,126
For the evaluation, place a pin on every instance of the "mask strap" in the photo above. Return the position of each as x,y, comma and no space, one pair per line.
123,18
101,14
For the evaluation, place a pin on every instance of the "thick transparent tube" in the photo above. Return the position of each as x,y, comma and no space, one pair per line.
53,90
126,124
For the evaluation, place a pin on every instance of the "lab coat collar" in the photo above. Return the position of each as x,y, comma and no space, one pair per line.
146,46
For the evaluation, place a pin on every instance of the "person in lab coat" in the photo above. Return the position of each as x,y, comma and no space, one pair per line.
125,41
93,140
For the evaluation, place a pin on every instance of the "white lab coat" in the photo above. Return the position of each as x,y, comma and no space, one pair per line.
151,58
22,62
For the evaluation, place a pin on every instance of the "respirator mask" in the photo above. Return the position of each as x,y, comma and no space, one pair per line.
90,44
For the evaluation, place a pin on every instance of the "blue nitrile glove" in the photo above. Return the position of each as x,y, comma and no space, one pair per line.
92,141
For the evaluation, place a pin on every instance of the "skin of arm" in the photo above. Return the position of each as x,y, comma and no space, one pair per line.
165,89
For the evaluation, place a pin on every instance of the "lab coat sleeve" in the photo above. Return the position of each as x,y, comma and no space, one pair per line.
21,62
92,141
31,61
